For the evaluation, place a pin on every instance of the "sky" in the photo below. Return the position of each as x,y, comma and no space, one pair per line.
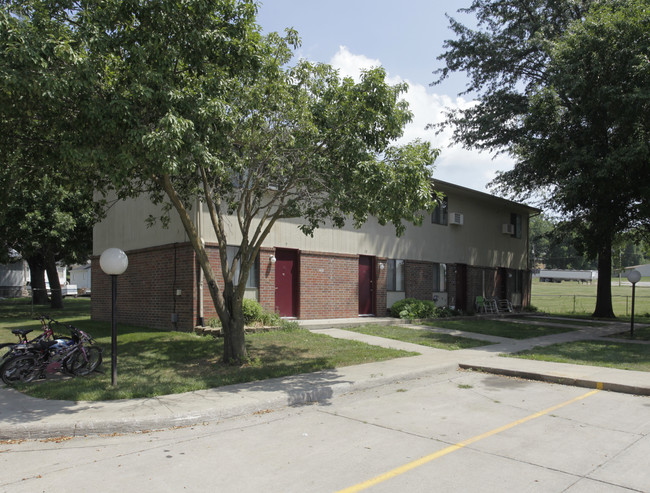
405,38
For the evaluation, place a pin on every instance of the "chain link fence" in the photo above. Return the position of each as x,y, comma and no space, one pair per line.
577,303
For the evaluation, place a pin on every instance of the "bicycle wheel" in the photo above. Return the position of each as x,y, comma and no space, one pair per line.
5,351
23,369
80,364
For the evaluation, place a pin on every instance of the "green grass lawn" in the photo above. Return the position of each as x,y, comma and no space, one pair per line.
641,333
572,297
154,362
594,353
422,337
499,328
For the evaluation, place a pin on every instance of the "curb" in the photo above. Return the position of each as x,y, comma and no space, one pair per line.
574,382
160,417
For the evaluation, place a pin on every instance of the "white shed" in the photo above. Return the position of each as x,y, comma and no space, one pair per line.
80,276
643,269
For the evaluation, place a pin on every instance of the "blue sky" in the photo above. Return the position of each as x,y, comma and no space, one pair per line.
405,38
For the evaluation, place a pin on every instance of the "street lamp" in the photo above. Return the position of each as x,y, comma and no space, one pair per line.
633,276
113,262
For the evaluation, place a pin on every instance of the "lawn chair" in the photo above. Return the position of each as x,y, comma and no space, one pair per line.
504,306
484,305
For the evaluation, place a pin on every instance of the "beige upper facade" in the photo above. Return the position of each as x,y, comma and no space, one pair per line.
483,238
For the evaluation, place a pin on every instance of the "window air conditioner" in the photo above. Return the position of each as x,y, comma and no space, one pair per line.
508,229
456,218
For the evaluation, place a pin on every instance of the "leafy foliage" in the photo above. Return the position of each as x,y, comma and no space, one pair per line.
411,308
47,208
231,122
563,86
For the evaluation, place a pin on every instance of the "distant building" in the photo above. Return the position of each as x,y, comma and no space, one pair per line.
643,269
14,279
80,277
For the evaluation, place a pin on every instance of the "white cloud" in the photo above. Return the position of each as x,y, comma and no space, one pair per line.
350,65
463,167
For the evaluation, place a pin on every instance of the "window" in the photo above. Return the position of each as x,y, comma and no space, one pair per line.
395,275
439,278
253,273
515,220
439,215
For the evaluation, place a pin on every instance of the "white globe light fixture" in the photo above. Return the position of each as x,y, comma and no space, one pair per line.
633,276
113,262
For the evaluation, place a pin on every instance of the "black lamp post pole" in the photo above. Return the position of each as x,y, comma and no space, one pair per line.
114,332
632,318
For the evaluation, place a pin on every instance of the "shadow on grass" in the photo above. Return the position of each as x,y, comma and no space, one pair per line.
160,363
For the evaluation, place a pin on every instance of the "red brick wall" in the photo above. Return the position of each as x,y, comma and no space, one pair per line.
418,280
266,293
329,285
267,279
147,292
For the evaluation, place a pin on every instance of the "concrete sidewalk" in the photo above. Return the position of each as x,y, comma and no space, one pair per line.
23,417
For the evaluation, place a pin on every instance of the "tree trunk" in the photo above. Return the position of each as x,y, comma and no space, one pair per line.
56,296
604,290
234,341
37,279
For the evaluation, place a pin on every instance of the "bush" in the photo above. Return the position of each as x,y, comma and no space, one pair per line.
253,314
270,319
410,308
253,311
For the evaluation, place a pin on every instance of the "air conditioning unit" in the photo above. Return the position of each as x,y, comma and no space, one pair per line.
456,218
508,229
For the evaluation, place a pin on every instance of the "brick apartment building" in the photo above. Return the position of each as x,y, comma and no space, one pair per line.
475,244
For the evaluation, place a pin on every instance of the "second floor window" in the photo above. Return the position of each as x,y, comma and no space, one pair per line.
439,215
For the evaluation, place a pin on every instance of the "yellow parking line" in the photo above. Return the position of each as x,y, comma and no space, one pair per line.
452,448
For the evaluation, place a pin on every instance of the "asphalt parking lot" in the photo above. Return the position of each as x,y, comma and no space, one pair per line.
451,431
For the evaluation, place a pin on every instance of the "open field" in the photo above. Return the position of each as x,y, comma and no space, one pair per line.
573,297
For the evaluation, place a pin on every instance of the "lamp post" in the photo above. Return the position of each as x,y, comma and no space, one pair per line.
633,276
113,262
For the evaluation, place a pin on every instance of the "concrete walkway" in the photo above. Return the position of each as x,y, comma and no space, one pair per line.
24,417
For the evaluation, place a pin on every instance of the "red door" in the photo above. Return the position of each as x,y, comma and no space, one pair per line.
286,282
366,285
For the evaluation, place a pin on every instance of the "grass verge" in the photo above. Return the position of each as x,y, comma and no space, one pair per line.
501,328
418,336
640,334
153,362
593,353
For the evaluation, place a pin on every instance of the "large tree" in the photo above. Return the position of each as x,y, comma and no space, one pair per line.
46,207
195,103
564,87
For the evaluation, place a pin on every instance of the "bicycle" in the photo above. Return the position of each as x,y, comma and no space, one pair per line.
76,356
9,349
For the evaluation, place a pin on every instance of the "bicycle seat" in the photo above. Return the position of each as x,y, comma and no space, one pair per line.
22,332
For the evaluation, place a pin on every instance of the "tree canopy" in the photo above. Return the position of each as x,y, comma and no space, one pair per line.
564,87
190,101
46,208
